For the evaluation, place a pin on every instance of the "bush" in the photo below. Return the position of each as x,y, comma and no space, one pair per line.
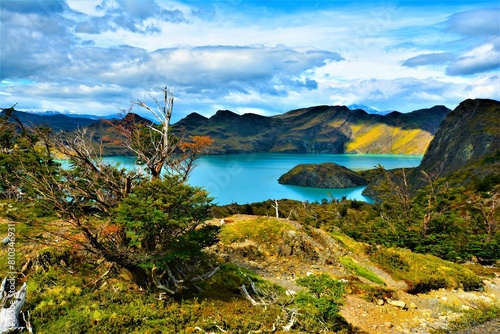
259,229
320,304
391,260
370,292
159,220
486,252
427,284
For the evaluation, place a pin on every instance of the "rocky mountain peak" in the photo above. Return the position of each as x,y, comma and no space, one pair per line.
468,133
224,114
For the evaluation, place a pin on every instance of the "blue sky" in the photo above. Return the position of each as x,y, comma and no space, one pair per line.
265,57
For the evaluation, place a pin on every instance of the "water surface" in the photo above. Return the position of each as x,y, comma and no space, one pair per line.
248,178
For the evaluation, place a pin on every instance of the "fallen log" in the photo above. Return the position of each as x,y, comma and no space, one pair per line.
9,316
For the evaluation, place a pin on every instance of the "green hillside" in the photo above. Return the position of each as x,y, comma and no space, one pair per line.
320,129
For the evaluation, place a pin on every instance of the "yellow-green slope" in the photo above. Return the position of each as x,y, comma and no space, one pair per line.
383,138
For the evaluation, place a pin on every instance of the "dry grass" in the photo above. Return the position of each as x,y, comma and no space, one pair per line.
422,272
259,229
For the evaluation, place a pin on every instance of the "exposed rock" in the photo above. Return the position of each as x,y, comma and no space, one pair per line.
397,303
468,133
325,175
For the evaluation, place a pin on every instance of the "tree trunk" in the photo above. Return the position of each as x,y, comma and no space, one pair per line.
275,206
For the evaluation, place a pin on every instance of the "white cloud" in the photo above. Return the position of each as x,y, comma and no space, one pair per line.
88,7
475,51
429,59
479,22
483,58
95,56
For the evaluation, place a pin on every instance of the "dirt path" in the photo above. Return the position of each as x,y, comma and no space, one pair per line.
423,313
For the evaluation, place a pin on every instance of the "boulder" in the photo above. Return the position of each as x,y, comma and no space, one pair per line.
397,303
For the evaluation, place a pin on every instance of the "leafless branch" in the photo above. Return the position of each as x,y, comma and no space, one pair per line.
185,279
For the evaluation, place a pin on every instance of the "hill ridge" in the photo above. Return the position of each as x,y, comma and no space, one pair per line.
318,129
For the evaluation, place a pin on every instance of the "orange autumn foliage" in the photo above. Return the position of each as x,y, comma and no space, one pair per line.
196,145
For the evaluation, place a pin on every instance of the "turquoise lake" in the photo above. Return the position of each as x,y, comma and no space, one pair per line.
248,178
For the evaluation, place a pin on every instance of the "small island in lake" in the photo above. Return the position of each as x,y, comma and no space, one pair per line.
324,175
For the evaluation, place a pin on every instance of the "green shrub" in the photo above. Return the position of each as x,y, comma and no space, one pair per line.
482,270
391,260
486,252
488,183
372,293
319,304
259,229
426,284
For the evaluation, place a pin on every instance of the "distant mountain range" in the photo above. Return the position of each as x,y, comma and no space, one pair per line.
368,109
74,115
54,120
319,129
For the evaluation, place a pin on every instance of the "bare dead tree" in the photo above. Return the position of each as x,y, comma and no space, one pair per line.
266,296
185,277
97,183
80,149
403,193
394,189
431,210
152,143
488,207
275,206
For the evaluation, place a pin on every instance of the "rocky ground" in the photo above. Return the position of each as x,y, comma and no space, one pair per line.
415,314
298,254
421,313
